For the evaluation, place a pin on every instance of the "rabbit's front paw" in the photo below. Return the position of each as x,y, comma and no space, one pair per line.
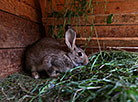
35,75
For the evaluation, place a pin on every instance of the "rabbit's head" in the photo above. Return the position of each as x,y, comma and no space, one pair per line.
76,54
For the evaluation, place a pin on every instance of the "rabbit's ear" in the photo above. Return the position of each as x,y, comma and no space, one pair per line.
70,38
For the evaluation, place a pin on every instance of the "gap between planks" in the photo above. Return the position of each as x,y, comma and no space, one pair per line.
110,38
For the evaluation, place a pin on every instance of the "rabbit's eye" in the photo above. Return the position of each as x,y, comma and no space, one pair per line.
79,53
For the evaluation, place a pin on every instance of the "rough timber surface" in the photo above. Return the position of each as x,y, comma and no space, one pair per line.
10,61
16,31
15,34
28,9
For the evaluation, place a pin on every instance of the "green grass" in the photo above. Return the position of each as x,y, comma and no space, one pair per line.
109,77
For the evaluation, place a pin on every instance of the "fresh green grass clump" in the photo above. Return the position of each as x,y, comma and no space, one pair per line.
109,77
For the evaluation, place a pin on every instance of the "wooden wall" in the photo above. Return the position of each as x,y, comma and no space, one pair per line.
29,9
122,33
20,25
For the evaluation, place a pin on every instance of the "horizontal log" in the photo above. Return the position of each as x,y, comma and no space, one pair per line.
129,18
10,61
22,8
16,31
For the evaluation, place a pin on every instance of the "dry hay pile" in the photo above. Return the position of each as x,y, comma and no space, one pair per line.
109,77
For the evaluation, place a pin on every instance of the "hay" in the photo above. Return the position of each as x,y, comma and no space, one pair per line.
109,77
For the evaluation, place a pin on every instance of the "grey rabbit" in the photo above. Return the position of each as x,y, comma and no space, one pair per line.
54,57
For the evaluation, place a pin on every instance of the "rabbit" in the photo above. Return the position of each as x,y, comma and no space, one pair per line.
54,57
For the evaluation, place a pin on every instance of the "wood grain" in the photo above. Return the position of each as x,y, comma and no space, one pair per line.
130,18
106,7
91,51
108,31
62,2
43,8
10,61
32,3
107,42
17,32
127,6
122,32
24,8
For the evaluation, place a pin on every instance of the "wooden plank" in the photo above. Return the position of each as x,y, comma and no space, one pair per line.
32,3
43,8
10,61
108,31
127,6
109,42
46,7
16,31
130,18
121,30
67,3
109,7
18,7
62,2
96,45
92,50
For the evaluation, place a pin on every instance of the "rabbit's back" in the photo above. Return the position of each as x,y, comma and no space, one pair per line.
36,52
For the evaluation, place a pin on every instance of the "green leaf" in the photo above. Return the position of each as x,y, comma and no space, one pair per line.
109,19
